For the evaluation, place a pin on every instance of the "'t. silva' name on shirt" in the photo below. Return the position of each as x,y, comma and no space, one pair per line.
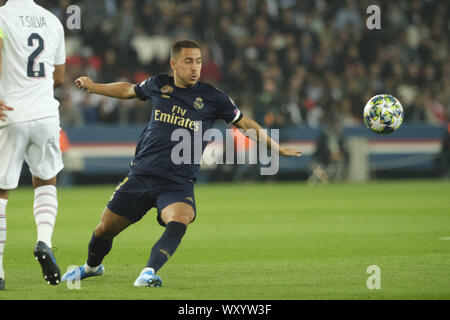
33,22
177,118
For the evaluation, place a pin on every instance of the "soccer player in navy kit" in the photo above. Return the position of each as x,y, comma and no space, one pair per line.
181,101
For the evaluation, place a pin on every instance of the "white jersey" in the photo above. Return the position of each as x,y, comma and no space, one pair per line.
33,43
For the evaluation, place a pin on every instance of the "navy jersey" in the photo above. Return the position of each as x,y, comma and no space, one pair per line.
194,109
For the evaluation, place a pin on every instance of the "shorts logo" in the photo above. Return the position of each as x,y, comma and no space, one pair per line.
165,90
189,199
198,103
118,187
122,183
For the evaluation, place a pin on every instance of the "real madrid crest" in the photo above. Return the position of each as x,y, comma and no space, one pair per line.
198,103
165,90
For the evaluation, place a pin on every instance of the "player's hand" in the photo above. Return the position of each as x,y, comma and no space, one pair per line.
84,83
289,152
3,109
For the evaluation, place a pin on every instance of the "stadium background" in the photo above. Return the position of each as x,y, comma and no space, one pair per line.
295,65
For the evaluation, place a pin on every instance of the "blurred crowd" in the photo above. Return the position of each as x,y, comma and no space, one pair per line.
285,62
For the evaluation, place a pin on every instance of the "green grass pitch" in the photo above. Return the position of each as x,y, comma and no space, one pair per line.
269,241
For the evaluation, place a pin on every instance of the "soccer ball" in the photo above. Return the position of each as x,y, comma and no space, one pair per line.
383,114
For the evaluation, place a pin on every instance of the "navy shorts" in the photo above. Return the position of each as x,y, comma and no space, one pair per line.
137,194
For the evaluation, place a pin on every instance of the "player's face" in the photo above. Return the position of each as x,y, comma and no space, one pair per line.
187,67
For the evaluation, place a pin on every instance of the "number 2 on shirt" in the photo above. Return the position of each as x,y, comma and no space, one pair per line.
32,59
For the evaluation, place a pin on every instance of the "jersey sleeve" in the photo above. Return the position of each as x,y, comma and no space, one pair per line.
227,109
144,89
60,56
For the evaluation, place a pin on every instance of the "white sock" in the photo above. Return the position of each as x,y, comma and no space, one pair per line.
45,210
148,269
90,269
3,203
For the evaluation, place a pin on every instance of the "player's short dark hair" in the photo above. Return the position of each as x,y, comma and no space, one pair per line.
177,46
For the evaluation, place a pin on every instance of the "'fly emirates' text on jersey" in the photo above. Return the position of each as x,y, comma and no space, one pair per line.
192,109
33,43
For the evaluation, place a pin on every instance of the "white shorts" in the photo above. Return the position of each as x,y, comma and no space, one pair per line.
36,142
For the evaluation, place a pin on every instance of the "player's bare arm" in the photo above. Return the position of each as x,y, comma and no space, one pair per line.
3,106
59,75
121,90
247,123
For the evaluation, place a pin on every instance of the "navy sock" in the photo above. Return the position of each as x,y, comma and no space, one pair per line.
165,247
98,249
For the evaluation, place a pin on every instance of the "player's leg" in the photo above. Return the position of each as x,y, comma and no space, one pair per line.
43,156
125,207
128,205
111,224
45,208
3,202
13,142
176,217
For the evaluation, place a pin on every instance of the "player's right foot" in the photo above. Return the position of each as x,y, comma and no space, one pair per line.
80,273
148,278
47,260
2,284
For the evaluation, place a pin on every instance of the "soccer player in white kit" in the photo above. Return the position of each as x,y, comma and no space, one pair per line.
32,62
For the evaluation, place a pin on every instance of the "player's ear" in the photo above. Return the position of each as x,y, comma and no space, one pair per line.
172,64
